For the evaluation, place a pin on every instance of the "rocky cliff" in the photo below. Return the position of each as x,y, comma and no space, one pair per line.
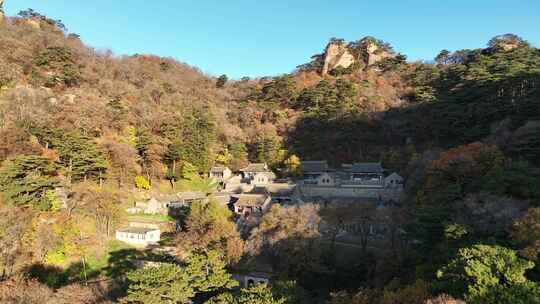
366,52
337,55
374,52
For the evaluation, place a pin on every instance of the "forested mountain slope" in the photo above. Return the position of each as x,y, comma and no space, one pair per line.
355,115
84,134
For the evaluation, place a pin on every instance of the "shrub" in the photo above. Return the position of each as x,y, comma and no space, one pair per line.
142,183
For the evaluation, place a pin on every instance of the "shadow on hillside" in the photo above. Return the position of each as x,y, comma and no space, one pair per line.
123,261
119,264
316,266
52,276
343,140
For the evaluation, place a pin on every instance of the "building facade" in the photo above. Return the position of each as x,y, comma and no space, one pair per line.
257,173
220,173
359,180
247,205
139,236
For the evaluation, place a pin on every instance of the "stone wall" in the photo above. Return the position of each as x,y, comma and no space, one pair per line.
352,192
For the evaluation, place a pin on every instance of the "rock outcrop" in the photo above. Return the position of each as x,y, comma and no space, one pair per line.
31,22
374,53
505,43
337,55
365,52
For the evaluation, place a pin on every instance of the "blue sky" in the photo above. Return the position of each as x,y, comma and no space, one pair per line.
258,37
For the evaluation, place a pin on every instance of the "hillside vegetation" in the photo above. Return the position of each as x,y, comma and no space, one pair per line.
85,133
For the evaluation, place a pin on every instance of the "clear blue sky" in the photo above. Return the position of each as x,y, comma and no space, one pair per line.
269,37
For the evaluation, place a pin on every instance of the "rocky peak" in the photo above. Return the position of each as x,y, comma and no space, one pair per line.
506,43
374,50
506,46
337,55
365,52
31,22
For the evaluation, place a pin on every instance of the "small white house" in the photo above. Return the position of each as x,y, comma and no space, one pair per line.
252,169
263,178
139,236
151,206
220,173
393,180
251,204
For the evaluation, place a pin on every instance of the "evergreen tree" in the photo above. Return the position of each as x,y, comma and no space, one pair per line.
79,154
26,180
166,283
281,90
479,268
171,283
258,294
221,81
207,272
442,57
82,157
192,136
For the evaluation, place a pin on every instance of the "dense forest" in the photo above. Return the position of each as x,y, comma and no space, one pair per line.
85,133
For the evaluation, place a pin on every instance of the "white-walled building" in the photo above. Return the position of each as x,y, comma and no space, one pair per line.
258,174
358,180
263,178
251,204
139,236
220,173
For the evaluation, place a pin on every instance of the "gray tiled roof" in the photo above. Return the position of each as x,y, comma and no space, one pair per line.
366,168
137,230
191,195
314,166
269,174
255,167
259,190
218,169
250,200
223,199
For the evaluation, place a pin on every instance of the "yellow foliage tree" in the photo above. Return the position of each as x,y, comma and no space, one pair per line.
292,166
224,157
142,183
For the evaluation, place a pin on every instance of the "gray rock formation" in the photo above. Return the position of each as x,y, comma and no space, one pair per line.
337,55
375,53
365,52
